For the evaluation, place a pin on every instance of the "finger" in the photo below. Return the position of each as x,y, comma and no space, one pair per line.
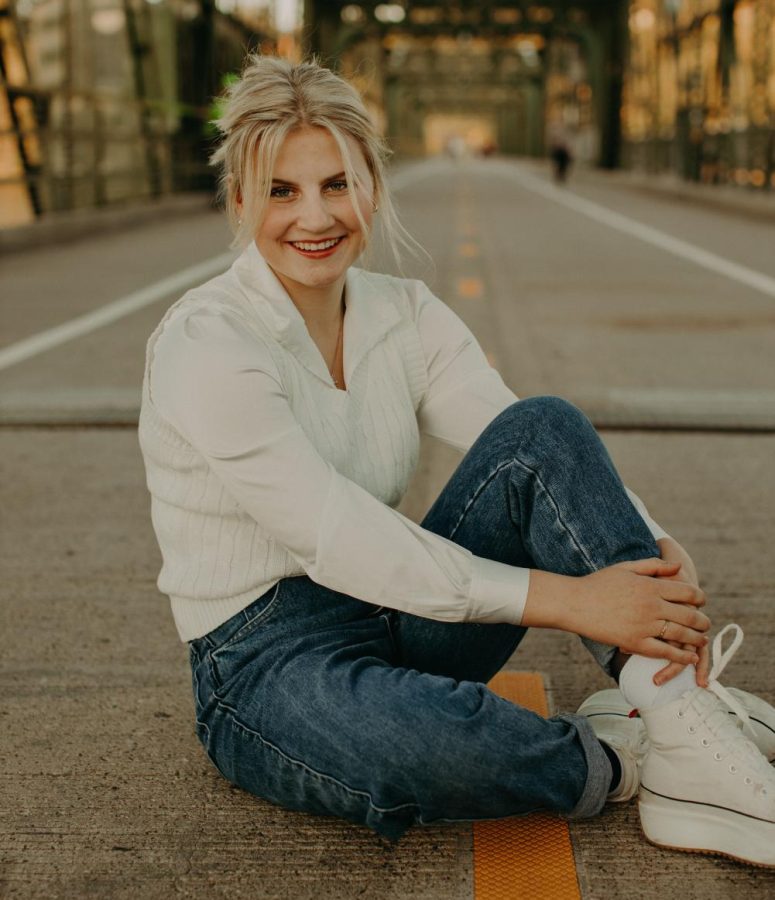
680,634
684,615
661,650
669,671
679,576
701,669
682,592
703,666
651,566
673,643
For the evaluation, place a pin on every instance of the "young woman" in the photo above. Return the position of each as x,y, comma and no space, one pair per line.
339,650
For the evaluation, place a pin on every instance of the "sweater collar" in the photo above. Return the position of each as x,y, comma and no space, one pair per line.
368,317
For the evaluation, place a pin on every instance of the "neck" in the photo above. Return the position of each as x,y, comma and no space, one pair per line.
321,308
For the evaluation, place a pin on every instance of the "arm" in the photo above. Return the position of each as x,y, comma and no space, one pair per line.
213,381
465,393
624,605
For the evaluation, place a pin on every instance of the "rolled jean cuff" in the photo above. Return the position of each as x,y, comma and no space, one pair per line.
599,771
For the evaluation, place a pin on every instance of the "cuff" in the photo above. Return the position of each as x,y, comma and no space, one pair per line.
656,530
598,769
498,592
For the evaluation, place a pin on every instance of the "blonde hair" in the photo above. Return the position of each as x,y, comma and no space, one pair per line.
271,98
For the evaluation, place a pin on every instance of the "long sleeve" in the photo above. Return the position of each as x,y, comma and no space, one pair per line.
465,392
656,530
216,384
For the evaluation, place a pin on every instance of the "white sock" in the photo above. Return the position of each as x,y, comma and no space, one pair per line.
636,682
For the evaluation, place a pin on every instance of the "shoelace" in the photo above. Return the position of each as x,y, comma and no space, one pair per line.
720,660
718,721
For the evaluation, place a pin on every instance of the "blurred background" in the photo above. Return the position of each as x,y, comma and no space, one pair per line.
105,101
641,289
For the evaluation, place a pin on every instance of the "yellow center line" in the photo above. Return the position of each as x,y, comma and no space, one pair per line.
470,287
531,856
468,250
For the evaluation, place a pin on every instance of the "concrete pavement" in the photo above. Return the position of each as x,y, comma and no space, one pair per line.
105,791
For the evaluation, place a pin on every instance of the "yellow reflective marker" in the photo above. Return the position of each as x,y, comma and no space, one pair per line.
527,857
469,250
470,288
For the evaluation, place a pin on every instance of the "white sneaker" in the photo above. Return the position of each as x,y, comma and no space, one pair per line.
705,786
609,706
627,737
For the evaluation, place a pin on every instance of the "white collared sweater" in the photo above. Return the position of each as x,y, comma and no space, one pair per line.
260,468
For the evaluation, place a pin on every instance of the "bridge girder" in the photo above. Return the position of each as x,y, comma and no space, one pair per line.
599,26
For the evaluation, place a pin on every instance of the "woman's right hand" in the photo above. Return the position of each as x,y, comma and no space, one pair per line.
627,605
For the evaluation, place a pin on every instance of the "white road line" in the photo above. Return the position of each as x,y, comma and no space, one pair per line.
683,407
105,315
750,277
68,331
53,337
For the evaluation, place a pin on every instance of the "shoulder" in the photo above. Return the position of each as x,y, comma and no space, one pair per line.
212,309
207,324
214,299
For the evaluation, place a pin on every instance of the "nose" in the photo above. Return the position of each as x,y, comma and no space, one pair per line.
314,214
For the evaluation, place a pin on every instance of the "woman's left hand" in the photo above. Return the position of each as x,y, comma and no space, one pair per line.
672,551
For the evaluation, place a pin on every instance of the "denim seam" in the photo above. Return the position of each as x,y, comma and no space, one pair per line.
474,497
204,725
542,484
211,668
321,776
436,821
250,625
577,543
247,621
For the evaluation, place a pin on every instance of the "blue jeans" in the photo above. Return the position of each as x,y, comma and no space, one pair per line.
317,701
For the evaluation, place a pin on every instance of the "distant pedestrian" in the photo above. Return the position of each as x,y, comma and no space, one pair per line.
489,148
340,651
561,160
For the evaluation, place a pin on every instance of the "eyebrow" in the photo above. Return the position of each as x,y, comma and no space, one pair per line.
293,184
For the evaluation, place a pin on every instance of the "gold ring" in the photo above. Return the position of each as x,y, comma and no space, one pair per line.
664,629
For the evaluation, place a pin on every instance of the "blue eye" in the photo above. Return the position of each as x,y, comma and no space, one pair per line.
339,185
275,192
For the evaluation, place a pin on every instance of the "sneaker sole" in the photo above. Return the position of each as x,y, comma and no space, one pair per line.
701,828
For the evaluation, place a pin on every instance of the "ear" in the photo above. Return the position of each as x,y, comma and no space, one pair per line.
238,198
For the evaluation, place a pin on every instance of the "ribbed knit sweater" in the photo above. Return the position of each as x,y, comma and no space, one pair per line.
260,468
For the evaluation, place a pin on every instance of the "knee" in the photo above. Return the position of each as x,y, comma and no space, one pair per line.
548,419
556,410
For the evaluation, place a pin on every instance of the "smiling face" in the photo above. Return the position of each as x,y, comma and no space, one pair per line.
310,234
